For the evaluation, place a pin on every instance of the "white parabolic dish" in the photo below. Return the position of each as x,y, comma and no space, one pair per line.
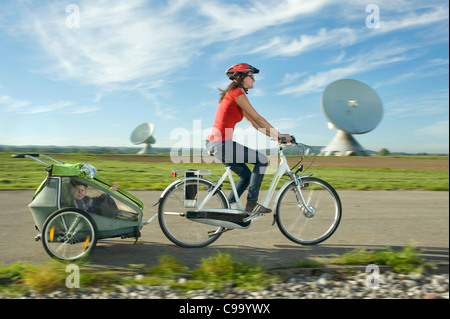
352,106
142,133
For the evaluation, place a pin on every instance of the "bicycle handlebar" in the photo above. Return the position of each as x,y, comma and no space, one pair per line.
282,140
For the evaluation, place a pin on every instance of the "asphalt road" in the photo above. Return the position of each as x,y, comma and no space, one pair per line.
371,219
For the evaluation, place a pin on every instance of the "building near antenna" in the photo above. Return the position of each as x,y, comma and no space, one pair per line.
351,107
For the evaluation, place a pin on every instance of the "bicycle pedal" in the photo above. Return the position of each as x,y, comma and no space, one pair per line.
253,216
217,232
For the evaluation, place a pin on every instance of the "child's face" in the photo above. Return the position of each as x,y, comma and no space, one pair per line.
79,192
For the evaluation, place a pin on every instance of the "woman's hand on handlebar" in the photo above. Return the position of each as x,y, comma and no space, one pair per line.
286,138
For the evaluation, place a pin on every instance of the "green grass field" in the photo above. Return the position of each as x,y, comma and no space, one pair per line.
135,175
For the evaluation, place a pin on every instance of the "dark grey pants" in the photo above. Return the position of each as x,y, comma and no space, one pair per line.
236,156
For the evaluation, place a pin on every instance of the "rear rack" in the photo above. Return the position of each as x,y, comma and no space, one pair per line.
191,172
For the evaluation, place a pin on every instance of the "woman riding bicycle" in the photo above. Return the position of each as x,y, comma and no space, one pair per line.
233,107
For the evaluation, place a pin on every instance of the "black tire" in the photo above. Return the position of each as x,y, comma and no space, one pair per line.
309,227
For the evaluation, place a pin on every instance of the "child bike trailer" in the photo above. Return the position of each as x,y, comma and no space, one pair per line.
73,208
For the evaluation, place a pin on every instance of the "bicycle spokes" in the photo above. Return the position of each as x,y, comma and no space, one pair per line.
311,216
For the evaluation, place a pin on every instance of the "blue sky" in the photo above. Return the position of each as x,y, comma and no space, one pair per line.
89,73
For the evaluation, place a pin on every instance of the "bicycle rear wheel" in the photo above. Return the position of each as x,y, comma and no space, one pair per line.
172,214
315,224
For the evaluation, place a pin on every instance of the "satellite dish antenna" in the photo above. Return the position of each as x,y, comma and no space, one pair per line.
351,107
143,134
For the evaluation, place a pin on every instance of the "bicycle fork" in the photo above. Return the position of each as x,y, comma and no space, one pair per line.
302,204
308,210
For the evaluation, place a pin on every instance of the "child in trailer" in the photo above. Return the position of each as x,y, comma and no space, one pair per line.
89,204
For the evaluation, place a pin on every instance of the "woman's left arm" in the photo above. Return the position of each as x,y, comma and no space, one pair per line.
257,121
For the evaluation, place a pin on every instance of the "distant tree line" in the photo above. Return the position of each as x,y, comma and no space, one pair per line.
77,149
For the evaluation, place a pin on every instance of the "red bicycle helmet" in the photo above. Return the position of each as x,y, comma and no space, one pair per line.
242,68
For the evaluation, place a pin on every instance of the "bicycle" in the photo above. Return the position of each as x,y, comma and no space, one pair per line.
194,211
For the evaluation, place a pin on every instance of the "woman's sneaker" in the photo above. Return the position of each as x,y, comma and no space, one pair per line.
255,208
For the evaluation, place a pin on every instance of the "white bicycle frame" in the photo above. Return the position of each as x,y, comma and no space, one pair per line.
282,169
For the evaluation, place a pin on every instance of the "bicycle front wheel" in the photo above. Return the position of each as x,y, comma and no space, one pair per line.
315,223
69,234
172,214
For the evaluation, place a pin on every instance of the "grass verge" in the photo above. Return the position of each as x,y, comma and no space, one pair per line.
407,260
216,272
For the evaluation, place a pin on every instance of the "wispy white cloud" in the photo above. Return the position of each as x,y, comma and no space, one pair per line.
412,106
9,104
431,68
135,45
354,65
115,43
397,79
232,21
438,61
12,105
342,37
282,46
292,123
136,41
415,20
362,61
290,77
53,107
438,129
84,110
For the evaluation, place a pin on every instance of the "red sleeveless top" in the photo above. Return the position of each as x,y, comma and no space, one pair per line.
227,115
